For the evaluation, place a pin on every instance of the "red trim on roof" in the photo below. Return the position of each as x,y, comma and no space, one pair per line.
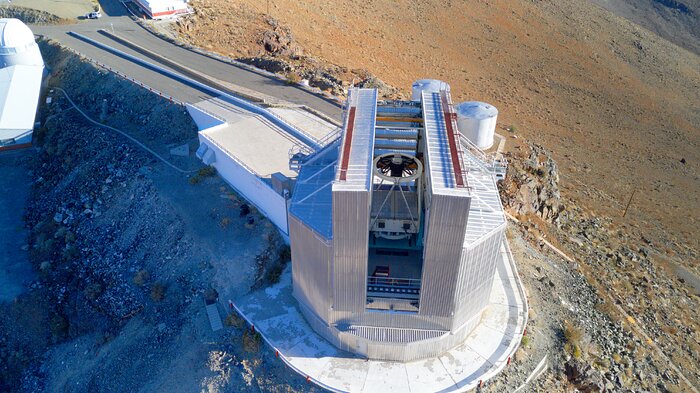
452,138
16,147
347,144
163,13
152,15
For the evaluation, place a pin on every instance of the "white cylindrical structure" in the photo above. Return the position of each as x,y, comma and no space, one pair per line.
17,45
427,85
477,121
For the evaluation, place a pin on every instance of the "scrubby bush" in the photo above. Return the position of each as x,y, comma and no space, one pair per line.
525,341
93,291
251,341
233,320
572,337
207,171
285,254
224,223
274,273
157,292
141,277
293,78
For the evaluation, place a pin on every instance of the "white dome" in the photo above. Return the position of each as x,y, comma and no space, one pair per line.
428,86
15,34
476,110
17,45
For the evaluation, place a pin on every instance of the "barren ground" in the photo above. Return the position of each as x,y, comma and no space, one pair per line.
68,9
616,104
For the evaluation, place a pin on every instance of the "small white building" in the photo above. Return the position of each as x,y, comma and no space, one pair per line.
21,72
163,9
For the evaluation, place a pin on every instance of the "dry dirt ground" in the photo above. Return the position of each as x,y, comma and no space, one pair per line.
616,104
676,20
68,9
570,76
15,270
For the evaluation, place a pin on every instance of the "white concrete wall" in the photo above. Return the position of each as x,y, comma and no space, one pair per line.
202,119
249,185
241,178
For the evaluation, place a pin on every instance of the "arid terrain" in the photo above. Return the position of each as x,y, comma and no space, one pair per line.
616,104
596,108
676,21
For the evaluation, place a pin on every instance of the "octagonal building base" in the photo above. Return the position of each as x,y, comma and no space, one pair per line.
276,315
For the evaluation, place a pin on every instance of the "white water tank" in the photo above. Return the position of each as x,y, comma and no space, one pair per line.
427,85
17,45
477,121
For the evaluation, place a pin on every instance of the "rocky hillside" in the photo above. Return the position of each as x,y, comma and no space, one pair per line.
29,16
127,250
626,279
675,20
612,175
614,103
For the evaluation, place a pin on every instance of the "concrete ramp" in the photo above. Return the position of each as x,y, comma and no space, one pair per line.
214,317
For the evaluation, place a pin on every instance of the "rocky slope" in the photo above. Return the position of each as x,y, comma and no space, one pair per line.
127,250
29,15
611,109
675,20
622,286
614,103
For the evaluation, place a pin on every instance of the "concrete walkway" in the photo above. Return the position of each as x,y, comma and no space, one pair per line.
275,314
257,143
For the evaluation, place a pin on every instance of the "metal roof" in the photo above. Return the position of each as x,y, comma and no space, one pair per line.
357,149
20,86
15,34
485,211
443,170
476,110
312,199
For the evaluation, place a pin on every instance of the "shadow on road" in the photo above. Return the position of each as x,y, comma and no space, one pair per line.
113,8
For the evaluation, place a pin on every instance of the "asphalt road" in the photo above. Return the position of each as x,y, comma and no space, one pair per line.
115,18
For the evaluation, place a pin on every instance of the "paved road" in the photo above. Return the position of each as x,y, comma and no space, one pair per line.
116,19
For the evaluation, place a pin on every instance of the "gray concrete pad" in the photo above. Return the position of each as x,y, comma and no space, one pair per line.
485,352
260,145
303,120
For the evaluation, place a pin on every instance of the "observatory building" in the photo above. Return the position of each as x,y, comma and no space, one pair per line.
395,228
402,278
21,71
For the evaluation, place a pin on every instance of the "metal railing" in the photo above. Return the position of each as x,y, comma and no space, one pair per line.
393,287
300,135
454,136
491,162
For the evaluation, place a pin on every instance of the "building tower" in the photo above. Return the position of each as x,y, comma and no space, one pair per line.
395,230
